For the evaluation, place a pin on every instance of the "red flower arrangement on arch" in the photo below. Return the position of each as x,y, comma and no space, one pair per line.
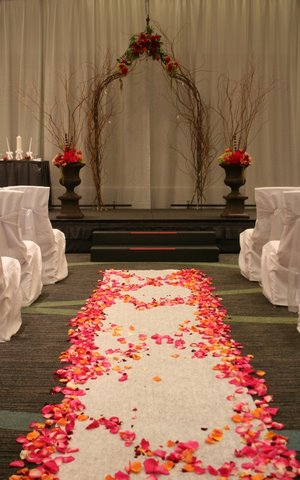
146,44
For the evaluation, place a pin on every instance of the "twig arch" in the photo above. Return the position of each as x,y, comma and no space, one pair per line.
148,44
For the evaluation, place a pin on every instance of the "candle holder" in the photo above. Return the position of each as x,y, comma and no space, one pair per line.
19,154
29,156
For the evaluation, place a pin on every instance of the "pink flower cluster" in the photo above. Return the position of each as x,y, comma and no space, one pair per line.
146,44
171,64
237,157
69,155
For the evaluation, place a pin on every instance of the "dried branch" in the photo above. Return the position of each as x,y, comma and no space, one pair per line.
196,115
64,120
99,112
238,105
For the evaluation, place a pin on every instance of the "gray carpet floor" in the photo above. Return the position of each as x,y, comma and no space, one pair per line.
29,360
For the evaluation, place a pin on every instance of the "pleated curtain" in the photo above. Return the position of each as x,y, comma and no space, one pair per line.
147,158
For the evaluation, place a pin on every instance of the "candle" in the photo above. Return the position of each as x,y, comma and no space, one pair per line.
7,144
19,143
29,149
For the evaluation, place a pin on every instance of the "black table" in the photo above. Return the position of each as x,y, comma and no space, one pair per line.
24,172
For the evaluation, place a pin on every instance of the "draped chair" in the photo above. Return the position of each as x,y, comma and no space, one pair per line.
10,297
280,261
12,245
268,226
36,226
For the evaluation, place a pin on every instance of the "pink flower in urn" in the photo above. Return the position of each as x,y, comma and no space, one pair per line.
69,155
237,157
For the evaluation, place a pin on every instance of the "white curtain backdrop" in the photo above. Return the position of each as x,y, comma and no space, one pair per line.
42,41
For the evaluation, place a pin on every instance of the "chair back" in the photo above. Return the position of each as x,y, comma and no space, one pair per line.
269,214
10,297
35,222
289,246
11,242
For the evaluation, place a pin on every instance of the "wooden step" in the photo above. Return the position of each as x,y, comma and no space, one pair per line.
159,238
150,253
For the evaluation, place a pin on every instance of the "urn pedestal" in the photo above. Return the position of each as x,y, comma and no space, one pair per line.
235,201
70,178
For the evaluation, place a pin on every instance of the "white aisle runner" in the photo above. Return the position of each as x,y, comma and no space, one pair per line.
155,387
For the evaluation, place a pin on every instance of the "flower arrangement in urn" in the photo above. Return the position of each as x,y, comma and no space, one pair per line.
235,157
239,103
70,154
69,161
238,106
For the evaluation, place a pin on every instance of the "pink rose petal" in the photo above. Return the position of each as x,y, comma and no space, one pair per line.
17,463
152,466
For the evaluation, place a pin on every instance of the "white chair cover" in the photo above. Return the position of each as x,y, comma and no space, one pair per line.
11,245
268,226
36,226
10,297
280,261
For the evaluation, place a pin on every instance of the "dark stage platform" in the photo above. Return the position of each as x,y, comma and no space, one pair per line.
79,232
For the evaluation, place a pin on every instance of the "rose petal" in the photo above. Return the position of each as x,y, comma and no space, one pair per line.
17,463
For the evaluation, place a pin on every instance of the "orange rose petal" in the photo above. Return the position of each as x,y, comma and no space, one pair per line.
82,417
270,435
77,371
135,356
216,435
257,413
149,453
170,443
237,418
62,421
210,441
32,435
188,468
187,456
39,425
156,379
98,369
135,467
260,373
168,465
109,477
38,444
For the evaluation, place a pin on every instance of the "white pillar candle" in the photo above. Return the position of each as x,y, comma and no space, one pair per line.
7,144
30,145
19,143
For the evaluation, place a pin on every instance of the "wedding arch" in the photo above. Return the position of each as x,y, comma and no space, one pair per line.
193,110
